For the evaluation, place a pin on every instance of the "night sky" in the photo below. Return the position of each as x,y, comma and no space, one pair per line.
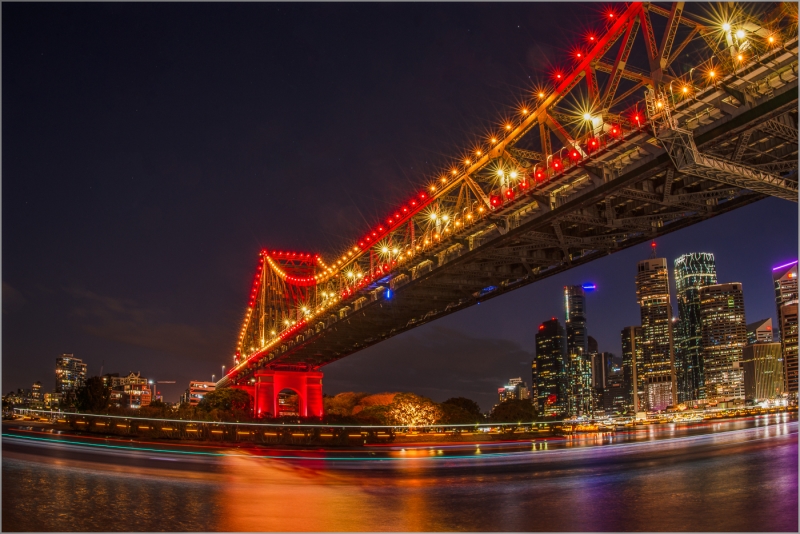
151,150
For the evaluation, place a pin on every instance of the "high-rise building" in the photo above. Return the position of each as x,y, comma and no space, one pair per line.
515,389
601,369
724,335
784,277
692,271
70,375
614,395
760,331
788,321
632,369
763,371
551,368
579,369
534,380
652,291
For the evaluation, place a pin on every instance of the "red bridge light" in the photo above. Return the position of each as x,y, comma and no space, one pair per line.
615,130
495,200
574,155
540,175
555,163
510,194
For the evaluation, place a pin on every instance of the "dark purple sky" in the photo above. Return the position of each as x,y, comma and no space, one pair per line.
151,150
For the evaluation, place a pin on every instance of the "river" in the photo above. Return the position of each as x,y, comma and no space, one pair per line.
736,475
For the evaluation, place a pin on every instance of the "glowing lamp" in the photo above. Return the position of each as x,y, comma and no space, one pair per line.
726,27
495,200
574,155
614,131
524,184
740,34
592,145
555,163
540,176
510,194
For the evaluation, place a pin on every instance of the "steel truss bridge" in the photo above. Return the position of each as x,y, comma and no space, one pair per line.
665,119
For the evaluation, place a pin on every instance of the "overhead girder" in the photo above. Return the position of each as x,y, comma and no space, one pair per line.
659,207
618,69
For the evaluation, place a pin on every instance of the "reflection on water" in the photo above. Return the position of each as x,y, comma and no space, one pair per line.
743,480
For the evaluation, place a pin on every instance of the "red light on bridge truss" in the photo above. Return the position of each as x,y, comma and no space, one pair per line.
495,200
574,155
509,194
524,184
540,175
611,14
423,196
592,144
555,163
615,130
405,210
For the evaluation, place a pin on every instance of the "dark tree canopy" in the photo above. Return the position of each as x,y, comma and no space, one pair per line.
513,411
226,400
94,396
468,405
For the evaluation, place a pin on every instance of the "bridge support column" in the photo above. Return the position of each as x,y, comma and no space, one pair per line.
270,383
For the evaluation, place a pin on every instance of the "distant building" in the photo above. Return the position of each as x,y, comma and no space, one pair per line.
788,322
196,391
614,395
724,335
579,369
762,364
515,389
551,368
633,369
70,375
784,277
692,271
601,369
760,331
652,292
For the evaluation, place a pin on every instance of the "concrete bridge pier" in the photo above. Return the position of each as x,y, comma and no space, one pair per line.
278,392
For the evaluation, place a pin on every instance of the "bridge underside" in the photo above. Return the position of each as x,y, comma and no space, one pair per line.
625,191
600,217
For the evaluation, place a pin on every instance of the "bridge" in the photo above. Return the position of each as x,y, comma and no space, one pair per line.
666,118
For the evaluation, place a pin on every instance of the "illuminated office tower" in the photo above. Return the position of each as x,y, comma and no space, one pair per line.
551,368
788,322
784,277
652,291
632,369
579,367
692,271
763,371
70,376
724,335
760,332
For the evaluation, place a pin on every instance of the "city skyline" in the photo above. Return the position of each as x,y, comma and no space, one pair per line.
160,287
560,312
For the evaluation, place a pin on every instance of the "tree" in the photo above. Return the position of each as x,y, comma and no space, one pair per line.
413,410
95,396
342,404
228,402
513,411
460,410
